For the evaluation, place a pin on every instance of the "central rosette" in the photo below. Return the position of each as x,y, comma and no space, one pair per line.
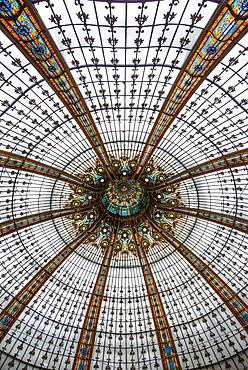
115,202
124,197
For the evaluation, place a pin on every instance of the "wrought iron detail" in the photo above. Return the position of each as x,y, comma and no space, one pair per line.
226,27
20,223
22,24
235,304
85,346
167,347
18,304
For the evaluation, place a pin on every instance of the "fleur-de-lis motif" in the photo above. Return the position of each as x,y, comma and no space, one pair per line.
90,40
111,19
55,19
141,19
113,41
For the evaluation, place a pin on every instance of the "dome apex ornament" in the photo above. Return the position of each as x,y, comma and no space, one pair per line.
125,197
128,200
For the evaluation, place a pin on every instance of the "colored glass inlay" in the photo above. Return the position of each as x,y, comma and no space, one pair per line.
124,197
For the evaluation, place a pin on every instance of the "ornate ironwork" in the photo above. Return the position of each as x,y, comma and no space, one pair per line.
111,55
18,162
85,346
18,304
20,223
235,304
124,199
236,223
22,24
228,161
169,357
225,28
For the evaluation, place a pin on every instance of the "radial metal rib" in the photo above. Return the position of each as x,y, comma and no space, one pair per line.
228,161
10,226
235,304
16,224
20,163
18,304
236,223
167,347
226,27
85,346
21,23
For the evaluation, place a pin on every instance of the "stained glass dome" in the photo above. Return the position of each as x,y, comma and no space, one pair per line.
123,185
124,197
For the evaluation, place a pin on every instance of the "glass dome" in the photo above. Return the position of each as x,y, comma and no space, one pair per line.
123,173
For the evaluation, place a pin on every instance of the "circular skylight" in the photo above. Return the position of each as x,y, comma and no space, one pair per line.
104,103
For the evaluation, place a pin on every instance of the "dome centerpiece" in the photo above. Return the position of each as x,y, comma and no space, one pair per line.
124,197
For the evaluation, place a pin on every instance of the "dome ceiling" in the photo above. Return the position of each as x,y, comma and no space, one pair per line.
123,161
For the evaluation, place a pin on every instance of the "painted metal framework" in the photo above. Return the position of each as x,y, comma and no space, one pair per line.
226,27
18,304
225,162
21,163
22,24
235,304
234,222
169,357
16,224
86,342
